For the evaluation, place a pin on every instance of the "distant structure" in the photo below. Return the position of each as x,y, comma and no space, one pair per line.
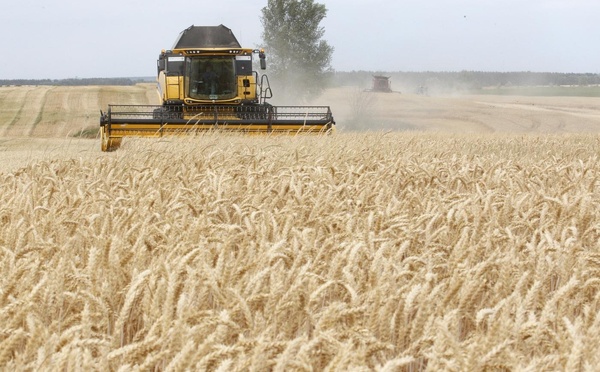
381,84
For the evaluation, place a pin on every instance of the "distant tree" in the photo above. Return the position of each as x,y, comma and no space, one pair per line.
73,82
298,56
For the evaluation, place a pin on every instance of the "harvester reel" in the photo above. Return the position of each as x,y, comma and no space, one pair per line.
167,113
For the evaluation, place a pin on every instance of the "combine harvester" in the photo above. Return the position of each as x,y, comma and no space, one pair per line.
206,82
381,84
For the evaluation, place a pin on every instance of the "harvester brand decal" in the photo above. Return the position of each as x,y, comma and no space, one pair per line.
176,59
243,58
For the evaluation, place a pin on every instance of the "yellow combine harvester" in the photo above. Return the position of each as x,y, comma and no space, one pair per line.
206,82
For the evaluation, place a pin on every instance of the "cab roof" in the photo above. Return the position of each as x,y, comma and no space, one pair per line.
206,37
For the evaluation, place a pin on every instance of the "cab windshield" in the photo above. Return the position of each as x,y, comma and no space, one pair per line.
211,78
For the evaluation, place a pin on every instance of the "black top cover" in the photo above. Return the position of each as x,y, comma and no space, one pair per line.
206,37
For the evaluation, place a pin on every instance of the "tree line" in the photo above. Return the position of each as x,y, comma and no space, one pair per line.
466,80
463,80
72,81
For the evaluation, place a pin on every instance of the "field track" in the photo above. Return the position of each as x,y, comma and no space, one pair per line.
452,244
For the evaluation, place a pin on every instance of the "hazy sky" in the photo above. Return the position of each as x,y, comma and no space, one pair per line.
78,38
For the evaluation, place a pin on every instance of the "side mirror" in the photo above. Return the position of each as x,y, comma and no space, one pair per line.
263,62
160,63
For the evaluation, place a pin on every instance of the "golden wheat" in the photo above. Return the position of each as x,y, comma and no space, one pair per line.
353,252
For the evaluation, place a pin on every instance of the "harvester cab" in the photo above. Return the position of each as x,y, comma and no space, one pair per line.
207,82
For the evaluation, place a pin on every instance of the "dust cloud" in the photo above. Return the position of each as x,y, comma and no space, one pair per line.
355,109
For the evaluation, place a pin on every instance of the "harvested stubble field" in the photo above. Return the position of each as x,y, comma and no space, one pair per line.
390,251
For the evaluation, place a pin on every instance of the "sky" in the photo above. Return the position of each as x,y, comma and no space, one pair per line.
59,39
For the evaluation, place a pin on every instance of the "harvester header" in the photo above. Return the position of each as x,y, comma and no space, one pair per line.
207,82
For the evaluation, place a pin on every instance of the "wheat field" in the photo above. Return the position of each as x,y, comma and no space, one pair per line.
373,251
